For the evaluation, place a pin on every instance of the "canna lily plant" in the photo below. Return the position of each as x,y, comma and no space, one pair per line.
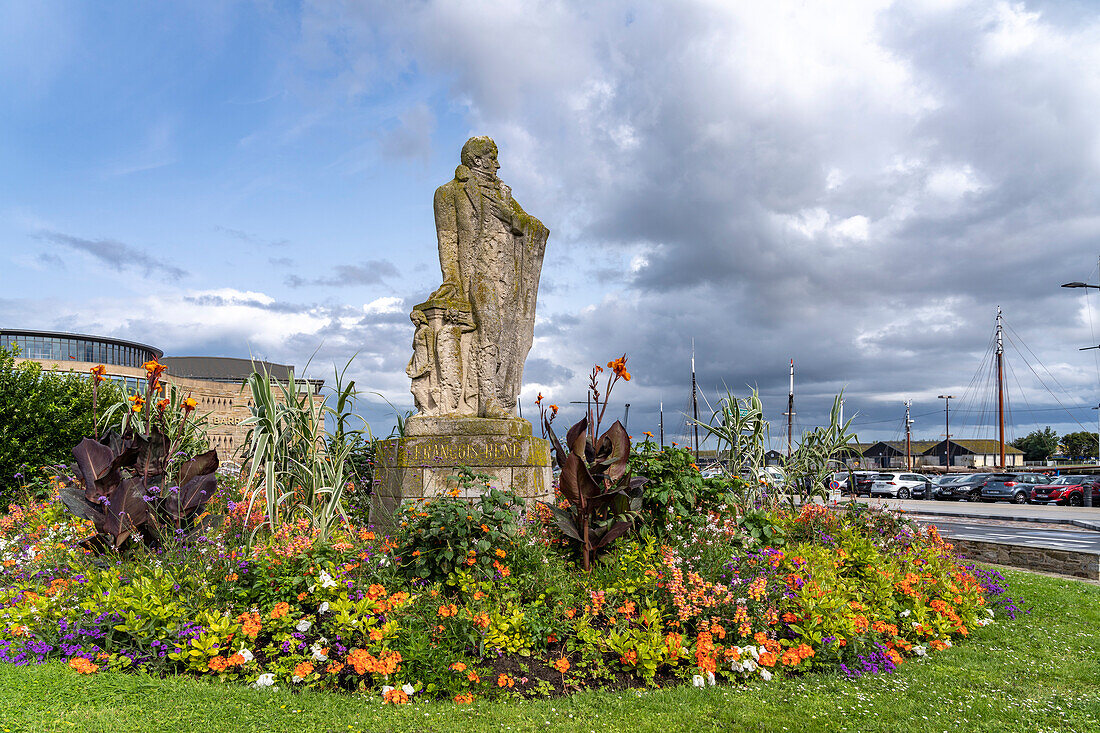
131,481
604,501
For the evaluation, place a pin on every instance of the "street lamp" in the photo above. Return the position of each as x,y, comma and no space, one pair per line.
1086,492
947,427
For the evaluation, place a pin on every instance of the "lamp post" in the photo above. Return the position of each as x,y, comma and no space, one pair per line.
947,428
1086,492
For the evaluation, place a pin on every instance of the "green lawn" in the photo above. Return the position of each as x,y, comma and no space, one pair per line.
1038,673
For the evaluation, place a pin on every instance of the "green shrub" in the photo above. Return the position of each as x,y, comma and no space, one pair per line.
674,488
446,534
42,416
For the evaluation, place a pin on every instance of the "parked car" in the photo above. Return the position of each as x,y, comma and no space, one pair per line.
1014,487
901,485
968,487
863,481
1068,490
941,485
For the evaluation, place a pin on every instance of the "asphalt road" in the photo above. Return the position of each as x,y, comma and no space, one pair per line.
1027,534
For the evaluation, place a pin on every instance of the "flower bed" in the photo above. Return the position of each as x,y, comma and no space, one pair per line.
468,602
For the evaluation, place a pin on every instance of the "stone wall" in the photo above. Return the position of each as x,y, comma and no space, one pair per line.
1048,560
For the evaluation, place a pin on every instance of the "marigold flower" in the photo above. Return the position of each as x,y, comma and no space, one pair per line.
505,681
562,665
464,699
303,670
501,553
448,610
218,664
472,676
281,609
458,667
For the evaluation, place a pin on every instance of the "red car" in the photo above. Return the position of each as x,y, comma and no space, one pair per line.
1067,490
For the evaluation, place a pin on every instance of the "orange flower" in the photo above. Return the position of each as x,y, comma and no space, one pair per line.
448,610
231,577
464,699
280,610
630,658
189,404
375,591
768,659
481,620
98,372
162,405
562,665
570,612
250,623
396,696
478,595
458,667
376,634
472,676
334,667
303,670
505,681
501,553
235,660
555,409
83,666
218,664
789,617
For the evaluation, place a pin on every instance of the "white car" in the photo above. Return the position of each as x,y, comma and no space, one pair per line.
900,485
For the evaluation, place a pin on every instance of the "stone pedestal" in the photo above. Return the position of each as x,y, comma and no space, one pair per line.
424,462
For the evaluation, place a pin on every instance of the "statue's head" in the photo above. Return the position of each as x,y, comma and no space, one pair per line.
480,154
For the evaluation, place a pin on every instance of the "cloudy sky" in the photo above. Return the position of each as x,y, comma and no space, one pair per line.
854,185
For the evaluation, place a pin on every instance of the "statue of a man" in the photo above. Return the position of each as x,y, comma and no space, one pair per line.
490,254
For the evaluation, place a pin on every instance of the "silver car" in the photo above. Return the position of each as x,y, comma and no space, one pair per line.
900,485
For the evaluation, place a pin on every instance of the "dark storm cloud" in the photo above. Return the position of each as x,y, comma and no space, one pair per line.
855,188
371,272
117,255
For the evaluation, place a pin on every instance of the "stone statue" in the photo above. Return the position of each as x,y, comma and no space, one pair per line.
474,332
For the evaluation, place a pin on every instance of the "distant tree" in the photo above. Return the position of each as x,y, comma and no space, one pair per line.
1080,444
1038,445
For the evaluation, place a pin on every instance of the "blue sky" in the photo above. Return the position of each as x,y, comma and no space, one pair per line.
855,186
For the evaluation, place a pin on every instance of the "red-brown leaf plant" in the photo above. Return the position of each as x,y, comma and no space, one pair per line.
604,500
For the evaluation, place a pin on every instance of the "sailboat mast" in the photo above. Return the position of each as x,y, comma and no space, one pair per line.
694,400
790,411
1000,388
661,422
908,438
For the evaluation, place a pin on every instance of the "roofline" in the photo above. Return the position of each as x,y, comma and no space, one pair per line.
65,334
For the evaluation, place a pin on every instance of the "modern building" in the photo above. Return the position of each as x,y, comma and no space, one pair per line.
216,383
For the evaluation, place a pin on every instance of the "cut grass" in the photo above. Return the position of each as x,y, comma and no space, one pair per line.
1038,673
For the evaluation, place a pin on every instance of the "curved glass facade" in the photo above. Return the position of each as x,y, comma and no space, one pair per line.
68,347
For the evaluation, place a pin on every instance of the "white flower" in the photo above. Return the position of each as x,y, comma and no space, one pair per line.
408,689
915,624
318,655
698,681
385,689
736,666
326,580
324,607
750,666
710,679
267,679
754,652
296,678
303,625
246,655
920,651
765,674
904,613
